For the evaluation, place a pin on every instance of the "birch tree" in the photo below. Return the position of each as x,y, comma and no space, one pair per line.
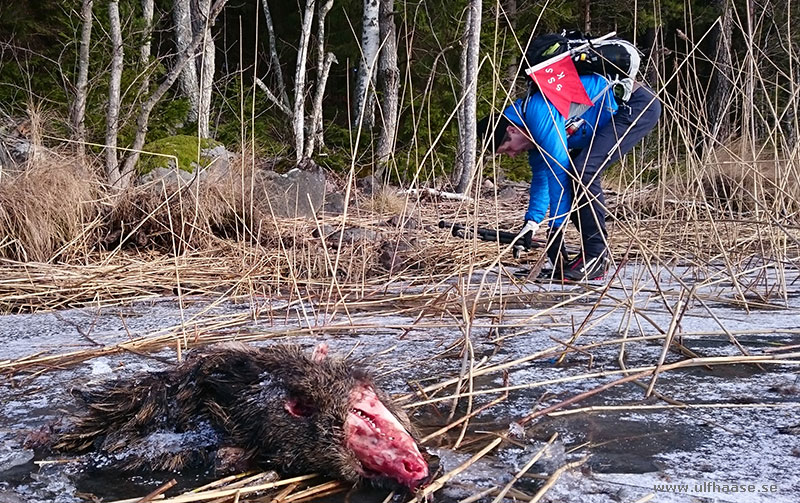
586,15
467,134
364,97
307,128
298,113
721,84
207,67
274,63
147,107
112,112
324,62
78,111
182,18
147,17
144,51
388,84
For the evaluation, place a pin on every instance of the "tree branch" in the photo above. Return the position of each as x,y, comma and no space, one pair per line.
169,79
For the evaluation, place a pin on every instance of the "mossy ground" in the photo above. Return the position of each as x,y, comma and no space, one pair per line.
187,149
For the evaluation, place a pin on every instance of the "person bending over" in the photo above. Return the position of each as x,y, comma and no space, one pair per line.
567,166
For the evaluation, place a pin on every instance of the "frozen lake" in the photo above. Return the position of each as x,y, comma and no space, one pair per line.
707,429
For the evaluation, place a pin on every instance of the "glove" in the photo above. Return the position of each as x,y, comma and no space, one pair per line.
527,232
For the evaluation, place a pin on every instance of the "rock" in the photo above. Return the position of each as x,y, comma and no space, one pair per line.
488,185
352,235
326,230
406,223
507,193
334,203
220,164
330,186
16,147
397,255
369,185
214,163
298,193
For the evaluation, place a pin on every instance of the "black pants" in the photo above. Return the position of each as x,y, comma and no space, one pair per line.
634,119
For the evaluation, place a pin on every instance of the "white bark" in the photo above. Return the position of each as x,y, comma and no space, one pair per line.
363,112
467,130
437,193
147,16
389,86
307,128
207,67
182,17
78,112
315,124
300,81
112,112
324,62
144,50
147,107
274,62
279,103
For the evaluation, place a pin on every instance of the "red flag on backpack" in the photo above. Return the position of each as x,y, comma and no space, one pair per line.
559,82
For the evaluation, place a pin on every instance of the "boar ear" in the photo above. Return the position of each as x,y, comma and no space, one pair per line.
320,352
299,407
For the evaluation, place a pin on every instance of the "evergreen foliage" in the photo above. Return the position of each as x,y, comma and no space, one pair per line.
38,63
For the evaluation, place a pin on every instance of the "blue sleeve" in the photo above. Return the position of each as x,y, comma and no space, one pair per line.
539,191
549,163
549,188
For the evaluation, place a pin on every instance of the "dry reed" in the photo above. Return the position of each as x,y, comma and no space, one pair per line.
690,219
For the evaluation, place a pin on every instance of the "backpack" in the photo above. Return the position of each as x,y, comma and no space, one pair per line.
616,59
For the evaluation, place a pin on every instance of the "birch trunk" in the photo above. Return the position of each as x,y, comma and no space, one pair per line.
300,82
467,129
112,112
78,112
147,107
144,50
389,85
207,67
364,103
324,62
586,15
274,62
721,84
316,140
147,16
182,16
458,170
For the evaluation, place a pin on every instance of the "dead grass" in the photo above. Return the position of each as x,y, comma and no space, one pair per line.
385,200
742,178
46,208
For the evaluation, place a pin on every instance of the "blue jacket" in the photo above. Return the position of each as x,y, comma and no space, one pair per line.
550,162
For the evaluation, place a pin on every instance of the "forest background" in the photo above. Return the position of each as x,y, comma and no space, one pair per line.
287,82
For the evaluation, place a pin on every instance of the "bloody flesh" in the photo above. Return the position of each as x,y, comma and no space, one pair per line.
380,442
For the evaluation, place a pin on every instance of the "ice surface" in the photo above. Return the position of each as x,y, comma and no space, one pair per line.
632,450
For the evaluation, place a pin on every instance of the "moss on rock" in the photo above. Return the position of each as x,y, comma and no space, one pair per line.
183,147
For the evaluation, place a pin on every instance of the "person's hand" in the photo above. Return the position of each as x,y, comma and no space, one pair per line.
526,233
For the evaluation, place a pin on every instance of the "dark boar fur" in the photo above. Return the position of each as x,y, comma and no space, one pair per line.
276,406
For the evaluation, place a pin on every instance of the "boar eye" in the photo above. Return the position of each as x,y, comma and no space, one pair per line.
299,407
